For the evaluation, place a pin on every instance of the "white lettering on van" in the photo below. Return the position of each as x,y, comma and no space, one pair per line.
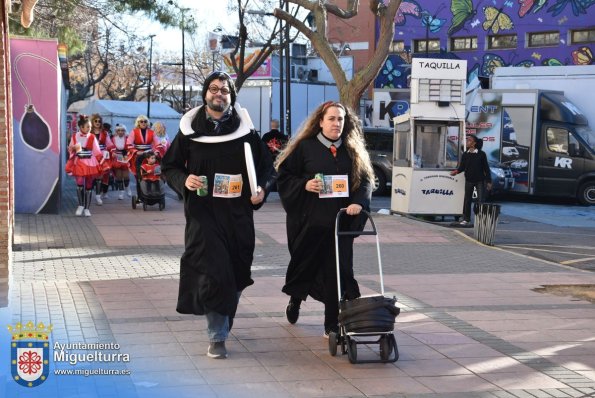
563,162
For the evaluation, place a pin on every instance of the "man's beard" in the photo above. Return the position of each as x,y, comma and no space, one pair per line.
218,107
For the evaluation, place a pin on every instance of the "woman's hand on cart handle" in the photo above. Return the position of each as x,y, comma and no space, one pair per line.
353,209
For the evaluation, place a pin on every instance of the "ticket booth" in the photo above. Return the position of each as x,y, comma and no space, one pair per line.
428,141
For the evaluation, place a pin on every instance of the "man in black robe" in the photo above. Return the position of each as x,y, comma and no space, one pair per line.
219,237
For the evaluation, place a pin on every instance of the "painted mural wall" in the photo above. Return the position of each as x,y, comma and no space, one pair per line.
445,20
35,96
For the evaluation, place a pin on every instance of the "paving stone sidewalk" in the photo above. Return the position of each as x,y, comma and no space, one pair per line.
471,323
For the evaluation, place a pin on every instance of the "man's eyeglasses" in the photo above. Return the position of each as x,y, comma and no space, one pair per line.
215,90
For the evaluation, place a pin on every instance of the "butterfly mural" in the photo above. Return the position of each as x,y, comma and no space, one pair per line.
578,6
434,23
473,73
407,7
552,62
496,20
582,56
390,73
530,5
493,61
462,11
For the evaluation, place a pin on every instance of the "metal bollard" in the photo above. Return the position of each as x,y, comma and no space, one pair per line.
486,220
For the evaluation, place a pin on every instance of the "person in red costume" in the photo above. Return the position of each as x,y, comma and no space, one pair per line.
84,164
121,161
105,145
140,140
150,172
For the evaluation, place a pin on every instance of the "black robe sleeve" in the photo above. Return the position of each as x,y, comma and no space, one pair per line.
263,163
292,183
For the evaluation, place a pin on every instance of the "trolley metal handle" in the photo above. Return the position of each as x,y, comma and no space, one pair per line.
338,233
355,233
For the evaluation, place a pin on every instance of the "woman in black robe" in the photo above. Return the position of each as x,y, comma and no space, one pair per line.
330,143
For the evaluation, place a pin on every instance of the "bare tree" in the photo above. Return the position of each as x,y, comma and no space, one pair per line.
251,34
350,91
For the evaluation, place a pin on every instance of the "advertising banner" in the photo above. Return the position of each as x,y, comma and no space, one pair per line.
389,103
484,119
251,54
36,109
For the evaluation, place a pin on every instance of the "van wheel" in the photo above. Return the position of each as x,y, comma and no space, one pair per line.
379,182
586,193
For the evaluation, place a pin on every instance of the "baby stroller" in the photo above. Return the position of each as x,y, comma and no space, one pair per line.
149,197
367,319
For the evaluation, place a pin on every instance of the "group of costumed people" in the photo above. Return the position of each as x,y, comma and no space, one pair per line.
96,157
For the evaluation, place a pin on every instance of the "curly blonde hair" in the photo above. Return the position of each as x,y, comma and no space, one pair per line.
159,129
352,136
138,119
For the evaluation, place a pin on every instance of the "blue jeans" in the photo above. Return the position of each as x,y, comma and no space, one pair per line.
218,325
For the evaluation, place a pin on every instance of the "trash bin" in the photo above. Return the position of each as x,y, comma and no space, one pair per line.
486,219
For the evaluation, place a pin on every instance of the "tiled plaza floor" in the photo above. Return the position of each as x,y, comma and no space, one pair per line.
471,323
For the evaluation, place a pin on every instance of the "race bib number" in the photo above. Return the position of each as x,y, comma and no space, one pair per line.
335,186
227,185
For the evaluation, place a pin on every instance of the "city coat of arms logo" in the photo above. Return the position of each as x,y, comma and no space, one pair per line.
30,353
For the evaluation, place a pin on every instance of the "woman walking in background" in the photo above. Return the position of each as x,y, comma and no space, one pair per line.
105,146
84,164
121,162
331,143
140,140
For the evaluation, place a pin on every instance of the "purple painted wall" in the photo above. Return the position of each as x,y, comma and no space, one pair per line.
421,19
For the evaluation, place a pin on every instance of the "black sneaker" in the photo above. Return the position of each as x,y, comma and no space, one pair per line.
217,350
293,310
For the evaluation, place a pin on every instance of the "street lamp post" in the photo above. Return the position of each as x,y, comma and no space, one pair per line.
150,75
183,64
288,72
182,10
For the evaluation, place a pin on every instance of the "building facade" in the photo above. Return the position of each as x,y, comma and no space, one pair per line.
487,34
490,34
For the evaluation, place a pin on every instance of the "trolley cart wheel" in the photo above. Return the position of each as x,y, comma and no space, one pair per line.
144,206
385,347
393,340
134,201
333,339
351,350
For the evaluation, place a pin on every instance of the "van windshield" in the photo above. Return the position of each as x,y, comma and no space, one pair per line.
588,137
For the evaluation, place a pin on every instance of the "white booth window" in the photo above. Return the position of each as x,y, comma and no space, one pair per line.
436,146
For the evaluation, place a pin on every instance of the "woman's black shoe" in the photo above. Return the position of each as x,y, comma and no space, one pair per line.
293,310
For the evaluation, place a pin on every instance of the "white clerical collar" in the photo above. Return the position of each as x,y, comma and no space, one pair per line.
327,143
245,126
